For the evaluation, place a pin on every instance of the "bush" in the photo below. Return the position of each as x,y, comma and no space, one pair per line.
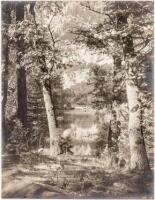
101,140
19,139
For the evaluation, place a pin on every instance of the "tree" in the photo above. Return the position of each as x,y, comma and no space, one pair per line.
43,57
21,73
127,33
47,46
6,20
139,158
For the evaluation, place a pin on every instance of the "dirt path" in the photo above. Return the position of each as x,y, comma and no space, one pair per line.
71,180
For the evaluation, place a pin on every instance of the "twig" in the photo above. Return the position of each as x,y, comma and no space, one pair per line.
51,34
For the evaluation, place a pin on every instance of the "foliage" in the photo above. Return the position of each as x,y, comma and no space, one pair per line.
102,83
40,56
127,32
82,93
68,95
102,138
19,139
48,50
138,22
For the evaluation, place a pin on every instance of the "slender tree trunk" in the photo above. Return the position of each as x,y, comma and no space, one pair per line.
56,121
113,132
54,144
21,73
6,19
109,136
138,158
22,95
5,60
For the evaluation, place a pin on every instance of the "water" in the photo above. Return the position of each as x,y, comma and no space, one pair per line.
83,132
80,118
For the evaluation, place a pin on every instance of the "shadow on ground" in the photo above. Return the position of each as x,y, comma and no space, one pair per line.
52,179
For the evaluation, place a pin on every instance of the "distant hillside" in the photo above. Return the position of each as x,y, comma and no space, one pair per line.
82,93
73,77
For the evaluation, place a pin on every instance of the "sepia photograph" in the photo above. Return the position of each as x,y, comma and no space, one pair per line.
77,99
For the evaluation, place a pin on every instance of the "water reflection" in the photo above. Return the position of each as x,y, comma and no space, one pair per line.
81,118
81,126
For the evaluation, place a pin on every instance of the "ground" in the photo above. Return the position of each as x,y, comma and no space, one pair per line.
69,177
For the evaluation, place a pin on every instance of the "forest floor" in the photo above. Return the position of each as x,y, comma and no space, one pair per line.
70,178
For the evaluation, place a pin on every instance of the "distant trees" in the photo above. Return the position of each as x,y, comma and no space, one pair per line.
102,80
106,97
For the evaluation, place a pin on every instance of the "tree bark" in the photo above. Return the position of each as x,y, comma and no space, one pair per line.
109,136
21,73
6,20
22,95
54,144
138,153
138,159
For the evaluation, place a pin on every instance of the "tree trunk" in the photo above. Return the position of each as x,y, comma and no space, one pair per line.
22,95
6,19
54,146
5,60
138,158
138,153
21,73
109,136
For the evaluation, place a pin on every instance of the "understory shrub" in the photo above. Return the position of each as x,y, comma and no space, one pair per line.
19,139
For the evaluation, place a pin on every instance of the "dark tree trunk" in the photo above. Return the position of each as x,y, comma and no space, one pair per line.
21,73
22,95
6,20
19,11
109,136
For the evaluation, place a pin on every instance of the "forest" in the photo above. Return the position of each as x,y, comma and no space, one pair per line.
77,99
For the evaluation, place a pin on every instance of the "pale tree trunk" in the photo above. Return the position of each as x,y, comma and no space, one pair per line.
6,20
138,158
138,154
54,143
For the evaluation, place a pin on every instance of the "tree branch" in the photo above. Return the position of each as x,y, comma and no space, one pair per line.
101,13
51,34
